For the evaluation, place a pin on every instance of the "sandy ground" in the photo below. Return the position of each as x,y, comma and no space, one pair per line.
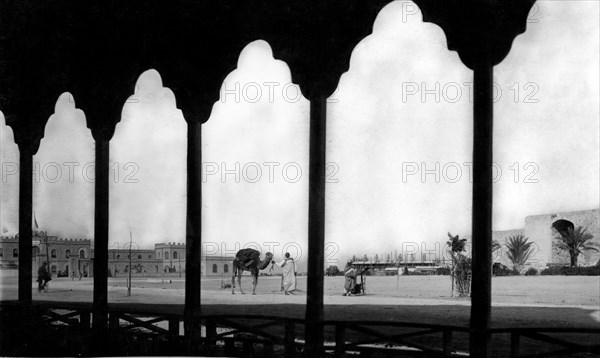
518,302
552,301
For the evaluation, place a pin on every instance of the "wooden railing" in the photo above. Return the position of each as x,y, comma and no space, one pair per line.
235,335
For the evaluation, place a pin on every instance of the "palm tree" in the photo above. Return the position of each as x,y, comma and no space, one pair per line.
456,246
576,242
495,245
519,250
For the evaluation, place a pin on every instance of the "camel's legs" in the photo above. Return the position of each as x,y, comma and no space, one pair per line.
254,282
233,273
240,271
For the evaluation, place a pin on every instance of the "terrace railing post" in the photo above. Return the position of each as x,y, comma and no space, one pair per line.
230,346
290,339
481,287
268,349
193,232
447,342
173,326
84,320
211,334
515,342
173,343
100,301
340,341
25,218
174,334
247,347
316,228
113,323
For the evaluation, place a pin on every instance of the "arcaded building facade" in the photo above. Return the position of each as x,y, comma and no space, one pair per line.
69,257
66,256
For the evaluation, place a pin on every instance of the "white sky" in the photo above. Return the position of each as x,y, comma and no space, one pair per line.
383,130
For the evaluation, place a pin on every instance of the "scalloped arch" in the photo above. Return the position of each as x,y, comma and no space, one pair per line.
472,25
50,120
374,32
316,48
271,54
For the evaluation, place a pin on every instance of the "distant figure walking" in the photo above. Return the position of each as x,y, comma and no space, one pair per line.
350,278
43,277
80,275
288,266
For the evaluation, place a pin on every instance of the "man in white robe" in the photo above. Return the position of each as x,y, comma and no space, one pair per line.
288,267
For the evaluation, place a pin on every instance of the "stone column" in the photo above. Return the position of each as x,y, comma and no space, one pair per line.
25,222
482,32
101,214
481,291
316,227
193,231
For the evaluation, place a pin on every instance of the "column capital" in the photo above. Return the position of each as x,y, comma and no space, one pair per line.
471,26
27,131
316,39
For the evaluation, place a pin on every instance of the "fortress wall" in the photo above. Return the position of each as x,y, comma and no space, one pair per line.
502,237
539,229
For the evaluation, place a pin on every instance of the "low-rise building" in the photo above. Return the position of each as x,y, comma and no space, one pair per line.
72,257
66,257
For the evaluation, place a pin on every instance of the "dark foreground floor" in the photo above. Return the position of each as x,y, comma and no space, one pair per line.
24,333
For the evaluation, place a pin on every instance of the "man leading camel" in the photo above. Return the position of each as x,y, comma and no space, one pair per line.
288,266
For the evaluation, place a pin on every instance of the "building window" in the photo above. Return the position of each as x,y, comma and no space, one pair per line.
215,268
2,252
15,253
35,251
167,255
149,256
156,267
68,253
53,269
158,254
225,268
82,254
53,253
139,257
118,257
175,254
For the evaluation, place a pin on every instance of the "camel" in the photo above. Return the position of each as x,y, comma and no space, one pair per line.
248,260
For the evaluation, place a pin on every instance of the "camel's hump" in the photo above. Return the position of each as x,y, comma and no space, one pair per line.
247,254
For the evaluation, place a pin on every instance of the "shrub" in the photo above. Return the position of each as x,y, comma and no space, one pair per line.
531,272
332,270
443,271
519,250
462,275
501,270
553,270
571,271
418,273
